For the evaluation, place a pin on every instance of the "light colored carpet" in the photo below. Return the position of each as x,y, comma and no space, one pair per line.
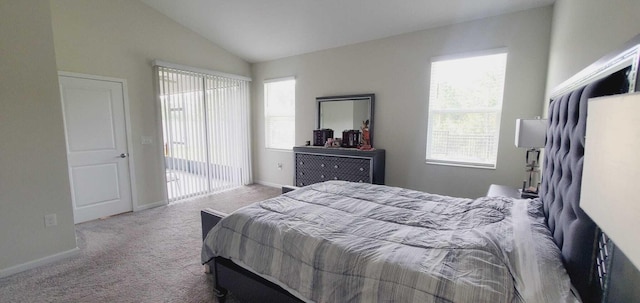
147,256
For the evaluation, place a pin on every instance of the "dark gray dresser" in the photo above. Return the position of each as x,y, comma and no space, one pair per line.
319,164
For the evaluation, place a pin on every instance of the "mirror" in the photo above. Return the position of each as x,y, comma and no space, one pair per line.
341,113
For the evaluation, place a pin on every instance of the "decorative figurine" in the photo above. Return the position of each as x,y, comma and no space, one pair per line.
366,141
329,143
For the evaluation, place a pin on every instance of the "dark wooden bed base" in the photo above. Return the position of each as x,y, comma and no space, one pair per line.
244,284
574,232
247,286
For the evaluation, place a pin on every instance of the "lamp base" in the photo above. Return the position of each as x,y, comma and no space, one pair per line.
533,171
528,194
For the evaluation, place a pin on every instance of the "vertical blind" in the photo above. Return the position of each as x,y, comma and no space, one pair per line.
205,128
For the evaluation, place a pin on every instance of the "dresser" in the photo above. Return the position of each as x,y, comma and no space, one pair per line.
319,164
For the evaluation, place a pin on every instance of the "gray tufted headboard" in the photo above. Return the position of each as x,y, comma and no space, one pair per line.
572,229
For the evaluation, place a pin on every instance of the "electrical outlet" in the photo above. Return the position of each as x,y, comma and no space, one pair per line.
280,166
50,220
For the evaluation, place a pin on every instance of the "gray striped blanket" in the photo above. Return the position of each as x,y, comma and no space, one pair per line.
352,242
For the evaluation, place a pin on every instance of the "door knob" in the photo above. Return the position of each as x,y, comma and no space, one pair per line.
123,155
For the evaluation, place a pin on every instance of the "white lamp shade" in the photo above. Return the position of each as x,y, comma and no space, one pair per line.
611,171
531,133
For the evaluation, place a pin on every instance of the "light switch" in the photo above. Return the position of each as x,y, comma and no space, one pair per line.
147,139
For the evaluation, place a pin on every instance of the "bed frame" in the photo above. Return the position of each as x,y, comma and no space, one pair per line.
573,231
244,284
599,272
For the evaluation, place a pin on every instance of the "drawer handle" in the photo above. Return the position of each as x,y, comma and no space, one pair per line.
336,166
321,176
322,165
361,169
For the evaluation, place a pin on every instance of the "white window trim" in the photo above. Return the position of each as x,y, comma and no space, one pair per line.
266,81
493,51
460,164
480,165
279,79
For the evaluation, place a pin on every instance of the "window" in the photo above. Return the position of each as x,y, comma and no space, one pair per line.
205,129
465,103
280,113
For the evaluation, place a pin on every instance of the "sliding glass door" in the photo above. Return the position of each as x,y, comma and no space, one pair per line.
205,128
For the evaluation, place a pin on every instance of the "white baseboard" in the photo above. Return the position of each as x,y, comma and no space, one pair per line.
270,184
149,205
39,262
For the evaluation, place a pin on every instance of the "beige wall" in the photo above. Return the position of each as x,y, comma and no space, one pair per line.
120,38
107,38
397,69
33,161
585,30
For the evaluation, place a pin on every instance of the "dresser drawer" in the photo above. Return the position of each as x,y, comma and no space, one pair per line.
314,165
333,163
304,182
321,176
355,178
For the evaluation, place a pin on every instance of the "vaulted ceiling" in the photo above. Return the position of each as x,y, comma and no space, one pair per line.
262,30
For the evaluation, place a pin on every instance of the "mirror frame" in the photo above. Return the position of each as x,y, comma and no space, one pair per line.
370,97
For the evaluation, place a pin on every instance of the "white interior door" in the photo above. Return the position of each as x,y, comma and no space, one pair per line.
97,152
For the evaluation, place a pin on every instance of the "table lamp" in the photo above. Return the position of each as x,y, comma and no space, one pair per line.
609,191
531,134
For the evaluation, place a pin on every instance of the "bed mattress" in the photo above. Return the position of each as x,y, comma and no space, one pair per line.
352,242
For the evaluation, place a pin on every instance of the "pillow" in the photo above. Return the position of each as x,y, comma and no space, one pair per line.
535,259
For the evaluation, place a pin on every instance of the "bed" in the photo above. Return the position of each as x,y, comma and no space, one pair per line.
340,241
385,244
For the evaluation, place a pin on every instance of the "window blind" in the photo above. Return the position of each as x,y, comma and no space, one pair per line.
465,105
279,113
205,128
